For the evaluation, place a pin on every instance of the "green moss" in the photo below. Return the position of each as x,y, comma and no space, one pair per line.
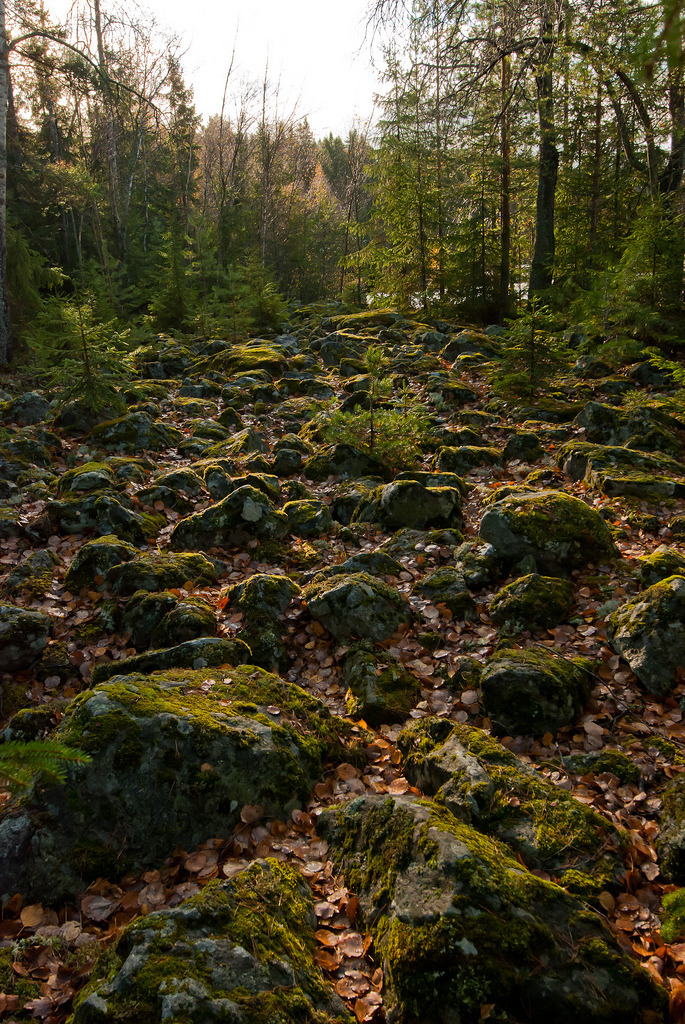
667,750
673,916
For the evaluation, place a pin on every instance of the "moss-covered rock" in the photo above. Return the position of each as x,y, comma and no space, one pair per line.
484,784
617,762
27,409
380,689
134,432
459,923
154,571
93,560
207,652
649,632
670,842
268,649
465,458
144,613
190,619
478,563
241,950
532,602
529,693
447,586
34,574
244,512
23,637
523,445
616,470
343,460
660,564
308,518
174,759
407,503
91,476
554,528
607,425
101,512
376,563
263,597
673,916
358,605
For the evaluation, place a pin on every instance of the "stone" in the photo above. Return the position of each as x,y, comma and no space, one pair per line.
28,408
649,632
447,586
263,597
244,512
524,446
242,950
557,530
154,571
483,784
529,693
134,432
660,564
23,637
35,574
408,503
93,560
465,458
100,512
358,605
206,652
459,923
532,602
343,460
379,688
308,518
149,738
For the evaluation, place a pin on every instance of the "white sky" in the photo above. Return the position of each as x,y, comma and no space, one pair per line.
315,48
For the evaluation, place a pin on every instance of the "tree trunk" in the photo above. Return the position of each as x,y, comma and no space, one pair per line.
5,337
542,267
505,197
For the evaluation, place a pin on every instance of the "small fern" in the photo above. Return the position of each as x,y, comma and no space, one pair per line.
21,761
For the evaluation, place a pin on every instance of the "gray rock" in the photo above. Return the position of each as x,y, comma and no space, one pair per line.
358,605
23,637
28,409
556,529
243,512
407,503
459,923
649,632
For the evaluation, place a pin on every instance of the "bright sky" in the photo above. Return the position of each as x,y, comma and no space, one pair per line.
316,48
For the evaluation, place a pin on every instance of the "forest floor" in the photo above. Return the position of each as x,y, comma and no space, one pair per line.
618,715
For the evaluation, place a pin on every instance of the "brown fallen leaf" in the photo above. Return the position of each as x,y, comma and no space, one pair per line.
32,916
352,945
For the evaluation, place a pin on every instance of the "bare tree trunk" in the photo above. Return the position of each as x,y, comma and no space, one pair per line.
110,129
5,336
542,267
505,198
596,167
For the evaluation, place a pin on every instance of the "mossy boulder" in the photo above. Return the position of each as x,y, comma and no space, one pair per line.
482,783
245,442
174,758
134,432
376,563
459,924
246,512
241,950
95,558
616,470
408,503
529,693
532,602
23,637
660,564
28,408
555,529
670,842
649,632
343,460
379,688
154,571
92,476
35,574
190,619
268,649
144,613
607,425
673,916
263,597
447,586
100,512
524,446
465,458
308,518
206,652
245,358
477,562
358,605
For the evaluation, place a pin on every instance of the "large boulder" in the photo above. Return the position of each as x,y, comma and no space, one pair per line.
263,597
23,637
95,558
343,460
196,654
380,689
459,924
408,503
240,952
174,759
482,783
358,605
134,432
533,692
153,571
244,512
555,529
100,512
649,632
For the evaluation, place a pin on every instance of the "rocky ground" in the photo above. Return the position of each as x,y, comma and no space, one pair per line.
363,743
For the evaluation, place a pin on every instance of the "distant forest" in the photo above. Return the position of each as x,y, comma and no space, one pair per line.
527,156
